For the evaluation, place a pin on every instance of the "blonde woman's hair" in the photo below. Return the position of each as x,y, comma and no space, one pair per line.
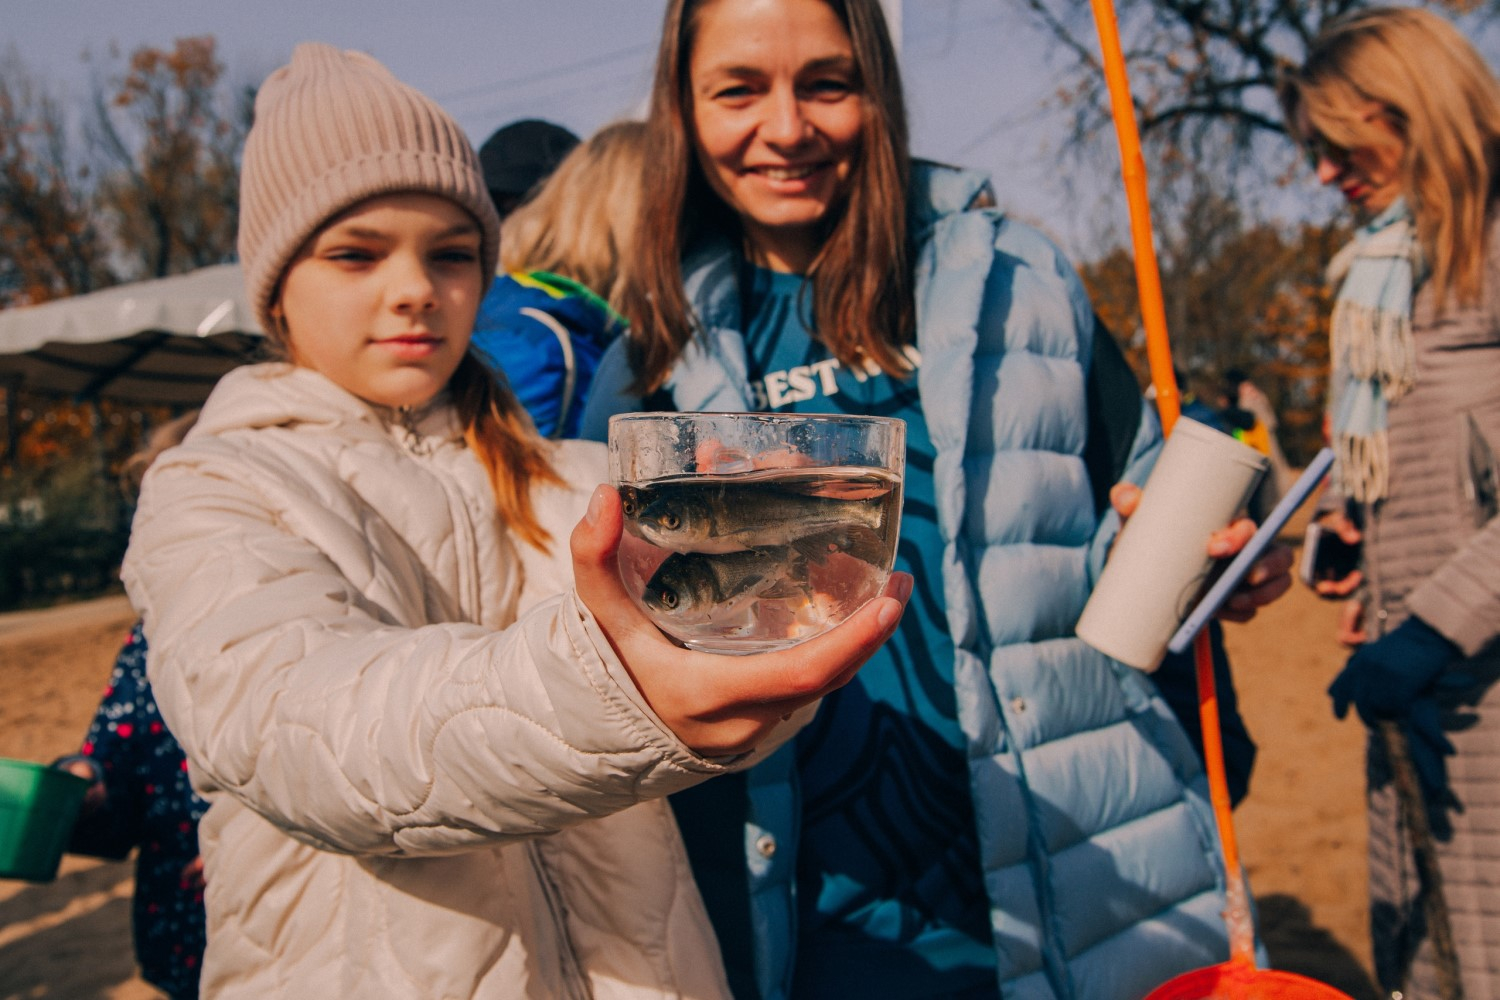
1439,96
580,224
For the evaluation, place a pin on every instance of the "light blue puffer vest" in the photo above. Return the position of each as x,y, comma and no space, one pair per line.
1096,837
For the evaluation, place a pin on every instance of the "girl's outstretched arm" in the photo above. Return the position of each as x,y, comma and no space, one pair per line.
338,713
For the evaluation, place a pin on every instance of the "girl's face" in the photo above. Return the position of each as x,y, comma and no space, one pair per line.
777,119
382,299
1368,176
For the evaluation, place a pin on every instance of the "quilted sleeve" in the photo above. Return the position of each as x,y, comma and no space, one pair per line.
1461,599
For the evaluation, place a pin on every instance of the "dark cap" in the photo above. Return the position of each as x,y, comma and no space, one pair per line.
520,155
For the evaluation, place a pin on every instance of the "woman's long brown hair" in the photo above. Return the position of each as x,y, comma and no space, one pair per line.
863,307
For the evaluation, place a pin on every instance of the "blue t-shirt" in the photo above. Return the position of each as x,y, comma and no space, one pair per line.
890,894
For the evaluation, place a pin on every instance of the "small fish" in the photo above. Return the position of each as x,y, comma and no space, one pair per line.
704,514
692,586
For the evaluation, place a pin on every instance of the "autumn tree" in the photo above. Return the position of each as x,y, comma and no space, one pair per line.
1240,290
1239,295
146,185
1203,73
49,245
173,193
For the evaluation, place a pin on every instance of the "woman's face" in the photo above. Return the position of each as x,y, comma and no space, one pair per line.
777,118
1368,176
382,299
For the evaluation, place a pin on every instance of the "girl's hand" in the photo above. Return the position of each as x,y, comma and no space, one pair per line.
1268,579
718,705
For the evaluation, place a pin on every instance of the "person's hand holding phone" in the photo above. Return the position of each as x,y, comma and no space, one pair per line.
1335,563
1267,579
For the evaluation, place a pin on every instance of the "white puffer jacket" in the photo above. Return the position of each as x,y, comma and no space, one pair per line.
430,776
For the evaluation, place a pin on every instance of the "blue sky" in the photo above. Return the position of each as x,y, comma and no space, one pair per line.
977,74
975,71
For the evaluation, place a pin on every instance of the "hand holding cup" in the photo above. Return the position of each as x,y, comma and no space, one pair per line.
716,706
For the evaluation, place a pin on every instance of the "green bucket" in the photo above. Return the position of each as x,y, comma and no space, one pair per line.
38,806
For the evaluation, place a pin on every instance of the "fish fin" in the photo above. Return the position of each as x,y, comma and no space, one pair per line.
856,540
783,589
818,547
868,545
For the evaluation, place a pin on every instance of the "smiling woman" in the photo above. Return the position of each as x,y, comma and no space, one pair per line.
778,114
795,259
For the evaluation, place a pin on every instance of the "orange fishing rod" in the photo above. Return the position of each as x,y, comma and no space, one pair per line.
1168,403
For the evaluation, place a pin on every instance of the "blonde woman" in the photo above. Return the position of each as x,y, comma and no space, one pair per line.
553,310
1397,110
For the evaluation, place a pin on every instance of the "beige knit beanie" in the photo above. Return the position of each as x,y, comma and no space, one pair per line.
332,129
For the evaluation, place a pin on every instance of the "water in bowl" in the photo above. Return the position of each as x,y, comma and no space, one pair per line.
743,562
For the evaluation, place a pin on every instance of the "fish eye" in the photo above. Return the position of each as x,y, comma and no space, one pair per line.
629,504
669,599
671,521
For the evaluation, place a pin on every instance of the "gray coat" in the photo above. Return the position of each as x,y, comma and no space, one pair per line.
1432,548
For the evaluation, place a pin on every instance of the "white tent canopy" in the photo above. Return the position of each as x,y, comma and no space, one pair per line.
163,341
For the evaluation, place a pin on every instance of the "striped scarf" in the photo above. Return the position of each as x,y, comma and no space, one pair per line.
1374,358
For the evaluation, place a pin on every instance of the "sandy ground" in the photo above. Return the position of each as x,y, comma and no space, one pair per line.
1301,831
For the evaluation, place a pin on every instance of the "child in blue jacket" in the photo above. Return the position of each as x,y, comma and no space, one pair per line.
545,322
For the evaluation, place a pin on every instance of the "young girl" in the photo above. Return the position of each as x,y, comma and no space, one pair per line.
421,749
992,807
1398,111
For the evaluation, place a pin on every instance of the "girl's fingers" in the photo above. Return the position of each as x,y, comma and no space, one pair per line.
717,704
595,546
749,696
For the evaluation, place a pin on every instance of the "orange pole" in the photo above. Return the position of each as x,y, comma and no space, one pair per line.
1168,404
1133,167
1237,897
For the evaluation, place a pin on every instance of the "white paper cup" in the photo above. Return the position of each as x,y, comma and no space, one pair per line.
1202,479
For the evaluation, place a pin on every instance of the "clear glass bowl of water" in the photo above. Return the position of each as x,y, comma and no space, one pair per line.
746,532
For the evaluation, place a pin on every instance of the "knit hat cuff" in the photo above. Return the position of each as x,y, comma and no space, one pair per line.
300,214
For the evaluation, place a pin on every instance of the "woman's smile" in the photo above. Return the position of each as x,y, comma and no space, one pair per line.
778,116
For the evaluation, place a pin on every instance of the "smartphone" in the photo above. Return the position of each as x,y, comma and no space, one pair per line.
1253,550
1326,556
